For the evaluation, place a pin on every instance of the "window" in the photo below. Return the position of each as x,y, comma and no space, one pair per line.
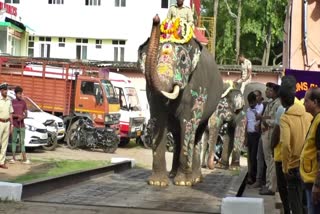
62,42
31,46
81,49
44,46
12,1
44,39
93,2
55,2
122,98
45,50
98,43
120,3
118,49
87,88
167,3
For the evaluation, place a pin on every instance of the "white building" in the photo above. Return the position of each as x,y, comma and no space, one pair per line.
109,30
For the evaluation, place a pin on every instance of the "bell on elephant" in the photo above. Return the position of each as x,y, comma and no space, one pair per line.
181,101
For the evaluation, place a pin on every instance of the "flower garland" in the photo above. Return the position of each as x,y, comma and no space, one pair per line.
176,30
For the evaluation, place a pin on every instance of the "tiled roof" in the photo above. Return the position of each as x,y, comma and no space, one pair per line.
255,69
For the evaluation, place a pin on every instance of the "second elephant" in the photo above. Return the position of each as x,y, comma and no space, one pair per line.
228,112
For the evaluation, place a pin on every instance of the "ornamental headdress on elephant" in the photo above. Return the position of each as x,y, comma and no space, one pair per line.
176,41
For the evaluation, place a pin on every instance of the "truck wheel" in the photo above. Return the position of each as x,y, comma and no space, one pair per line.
124,142
72,139
52,143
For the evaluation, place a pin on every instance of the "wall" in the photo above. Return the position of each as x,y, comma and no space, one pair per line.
74,19
293,49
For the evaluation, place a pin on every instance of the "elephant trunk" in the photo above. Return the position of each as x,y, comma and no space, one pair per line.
151,63
152,54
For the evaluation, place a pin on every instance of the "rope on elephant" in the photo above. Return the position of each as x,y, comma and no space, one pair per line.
175,30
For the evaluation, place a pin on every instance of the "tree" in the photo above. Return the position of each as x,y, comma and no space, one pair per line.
215,18
256,30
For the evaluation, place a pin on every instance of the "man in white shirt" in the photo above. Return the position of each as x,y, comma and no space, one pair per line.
253,136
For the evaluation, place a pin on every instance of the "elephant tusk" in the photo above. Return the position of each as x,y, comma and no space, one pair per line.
174,94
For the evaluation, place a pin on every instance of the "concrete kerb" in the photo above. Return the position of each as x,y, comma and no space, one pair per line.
10,191
41,186
238,184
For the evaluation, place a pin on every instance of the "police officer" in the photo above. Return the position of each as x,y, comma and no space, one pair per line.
180,11
6,111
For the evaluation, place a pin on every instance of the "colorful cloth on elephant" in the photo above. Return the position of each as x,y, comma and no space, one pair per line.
175,30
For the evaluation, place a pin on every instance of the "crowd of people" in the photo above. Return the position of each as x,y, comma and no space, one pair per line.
12,115
283,140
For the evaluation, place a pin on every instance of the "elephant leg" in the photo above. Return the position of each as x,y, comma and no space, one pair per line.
184,173
176,154
224,161
213,137
204,148
159,171
239,137
196,161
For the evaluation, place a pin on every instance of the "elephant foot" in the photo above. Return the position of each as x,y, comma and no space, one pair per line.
183,179
158,180
198,179
235,166
220,165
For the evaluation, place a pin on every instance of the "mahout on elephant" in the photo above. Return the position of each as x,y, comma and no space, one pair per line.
230,119
183,87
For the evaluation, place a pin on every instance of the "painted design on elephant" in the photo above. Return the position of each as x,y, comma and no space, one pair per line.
183,65
193,123
165,63
224,111
239,135
238,102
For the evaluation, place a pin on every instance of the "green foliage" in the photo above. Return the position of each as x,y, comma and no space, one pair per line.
58,167
257,16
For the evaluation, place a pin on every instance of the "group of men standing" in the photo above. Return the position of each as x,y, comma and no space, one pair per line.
12,115
286,135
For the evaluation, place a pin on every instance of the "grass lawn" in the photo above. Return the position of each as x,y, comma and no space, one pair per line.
50,168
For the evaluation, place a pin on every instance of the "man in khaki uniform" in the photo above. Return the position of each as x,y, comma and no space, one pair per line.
6,111
246,72
181,11
268,124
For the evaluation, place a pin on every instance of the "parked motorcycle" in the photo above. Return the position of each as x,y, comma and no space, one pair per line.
85,135
52,129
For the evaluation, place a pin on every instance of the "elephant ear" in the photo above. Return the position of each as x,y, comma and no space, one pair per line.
236,100
142,55
195,52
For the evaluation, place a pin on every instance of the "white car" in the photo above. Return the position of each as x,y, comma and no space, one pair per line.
36,133
36,113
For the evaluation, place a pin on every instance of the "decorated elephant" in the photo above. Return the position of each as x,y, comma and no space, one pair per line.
230,113
183,87
230,116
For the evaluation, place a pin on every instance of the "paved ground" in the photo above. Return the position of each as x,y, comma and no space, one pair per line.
130,190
